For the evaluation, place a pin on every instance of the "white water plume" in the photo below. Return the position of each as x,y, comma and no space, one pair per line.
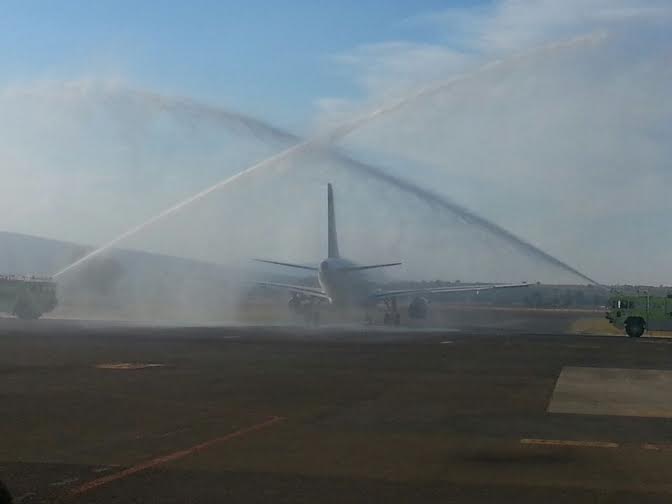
181,205
137,102
85,159
346,129
569,152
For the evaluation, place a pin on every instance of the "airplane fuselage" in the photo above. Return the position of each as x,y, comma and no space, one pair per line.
343,286
346,284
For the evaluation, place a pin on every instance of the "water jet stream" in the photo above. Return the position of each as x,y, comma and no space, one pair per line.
180,106
182,204
344,130
464,213
259,129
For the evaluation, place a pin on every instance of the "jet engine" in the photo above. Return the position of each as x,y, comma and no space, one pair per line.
418,308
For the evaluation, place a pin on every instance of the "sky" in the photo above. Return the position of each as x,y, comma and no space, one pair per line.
267,58
551,118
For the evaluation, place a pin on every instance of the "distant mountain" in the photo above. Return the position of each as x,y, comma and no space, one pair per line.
128,284
27,255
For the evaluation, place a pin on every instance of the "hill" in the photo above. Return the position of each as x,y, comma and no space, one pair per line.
126,284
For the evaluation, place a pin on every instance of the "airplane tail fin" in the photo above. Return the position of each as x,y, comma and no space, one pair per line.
332,238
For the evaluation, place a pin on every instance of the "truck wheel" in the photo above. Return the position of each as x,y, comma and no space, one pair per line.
634,327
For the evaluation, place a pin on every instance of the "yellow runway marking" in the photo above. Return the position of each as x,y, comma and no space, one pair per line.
569,442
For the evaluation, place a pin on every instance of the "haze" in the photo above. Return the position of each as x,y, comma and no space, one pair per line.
557,128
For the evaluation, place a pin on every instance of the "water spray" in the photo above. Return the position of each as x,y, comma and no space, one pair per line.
117,94
182,204
466,215
345,129
335,135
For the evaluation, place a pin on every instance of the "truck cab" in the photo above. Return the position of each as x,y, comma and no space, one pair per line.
637,313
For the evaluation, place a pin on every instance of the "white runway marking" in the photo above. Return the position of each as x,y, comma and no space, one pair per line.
128,366
23,497
64,482
102,469
613,391
591,444
569,442
657,447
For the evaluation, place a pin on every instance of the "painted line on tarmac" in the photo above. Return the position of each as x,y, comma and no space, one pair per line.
67,481
657,447
23,497
592,444
171,457
569,442
99,470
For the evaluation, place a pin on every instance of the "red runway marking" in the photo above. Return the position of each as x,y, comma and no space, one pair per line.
91,485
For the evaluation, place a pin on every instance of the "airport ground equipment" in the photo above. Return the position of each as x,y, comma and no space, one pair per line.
637,313
27,297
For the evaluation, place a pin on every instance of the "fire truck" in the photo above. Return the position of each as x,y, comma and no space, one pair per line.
639,312
27,297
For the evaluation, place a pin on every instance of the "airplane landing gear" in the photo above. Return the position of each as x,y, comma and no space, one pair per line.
392,315
313,317
305,307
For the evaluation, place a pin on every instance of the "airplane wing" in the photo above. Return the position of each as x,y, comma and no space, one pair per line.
439,290
371,266
308,291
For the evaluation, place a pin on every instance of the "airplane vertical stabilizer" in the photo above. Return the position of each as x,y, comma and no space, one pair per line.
332,238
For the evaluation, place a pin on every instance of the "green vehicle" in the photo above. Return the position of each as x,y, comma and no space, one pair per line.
27,297
637,313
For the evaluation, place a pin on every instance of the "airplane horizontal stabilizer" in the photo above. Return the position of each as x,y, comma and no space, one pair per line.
299,289
289,265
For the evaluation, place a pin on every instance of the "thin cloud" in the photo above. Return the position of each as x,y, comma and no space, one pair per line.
569,148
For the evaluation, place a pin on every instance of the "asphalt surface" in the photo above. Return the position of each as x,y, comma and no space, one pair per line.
91,412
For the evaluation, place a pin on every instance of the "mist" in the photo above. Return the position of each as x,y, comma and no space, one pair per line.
231,227
541,160
566,147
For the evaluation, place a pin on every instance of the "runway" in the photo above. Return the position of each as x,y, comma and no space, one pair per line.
97,412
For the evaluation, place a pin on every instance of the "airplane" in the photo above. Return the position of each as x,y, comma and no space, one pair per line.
343,284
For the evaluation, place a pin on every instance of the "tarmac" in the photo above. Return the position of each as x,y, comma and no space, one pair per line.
111,413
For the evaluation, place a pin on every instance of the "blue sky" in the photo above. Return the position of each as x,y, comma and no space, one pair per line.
576,105
270,59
